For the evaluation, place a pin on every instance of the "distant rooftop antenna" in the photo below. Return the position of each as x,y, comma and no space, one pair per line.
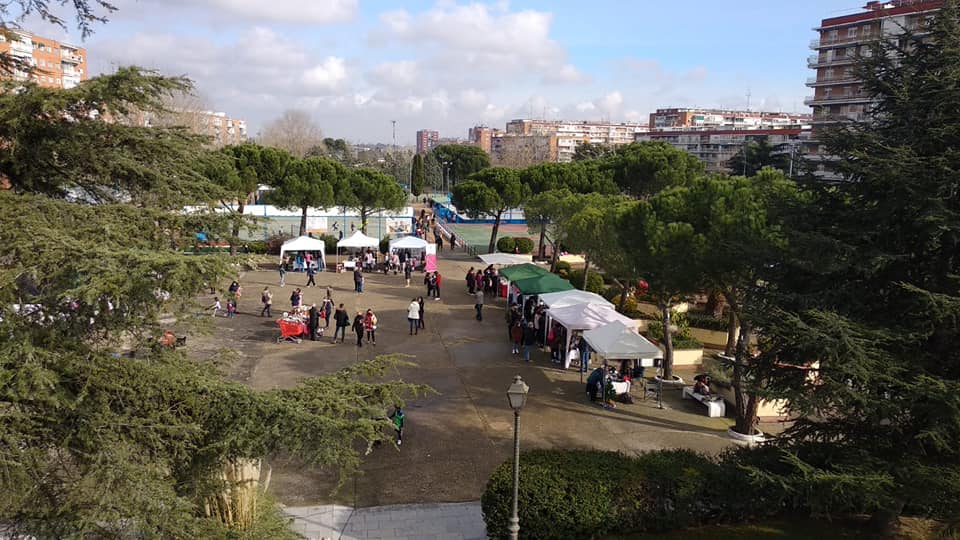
748,99
394,122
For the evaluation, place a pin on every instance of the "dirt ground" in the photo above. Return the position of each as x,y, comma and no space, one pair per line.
452,440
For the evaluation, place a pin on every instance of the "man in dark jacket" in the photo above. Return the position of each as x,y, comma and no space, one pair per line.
529,340
314,322
342,318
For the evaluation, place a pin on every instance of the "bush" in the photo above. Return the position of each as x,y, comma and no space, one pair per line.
596,281
258,247
385,245
681,337
563,266
630,307
274,242
587,493
699,319
506,244
523,244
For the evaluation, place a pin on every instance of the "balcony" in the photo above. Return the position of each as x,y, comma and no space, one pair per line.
859,38
69,56
814,81
813,101
816,61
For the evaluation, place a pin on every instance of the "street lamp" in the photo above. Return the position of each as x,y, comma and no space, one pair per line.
517,395
446,176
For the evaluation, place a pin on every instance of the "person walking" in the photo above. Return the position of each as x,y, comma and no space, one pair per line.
413,316
327,308
429,280
471,281
342,320
453,242
436,288
231,309
370,325
329,293
358,328
398,419
311,274
529,340
296,298
407,272
423,320
283,274
266,298
313,322
478,304
357,280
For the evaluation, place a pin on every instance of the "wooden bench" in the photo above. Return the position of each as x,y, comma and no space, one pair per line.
716,408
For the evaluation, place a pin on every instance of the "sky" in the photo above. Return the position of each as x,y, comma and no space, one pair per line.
447,65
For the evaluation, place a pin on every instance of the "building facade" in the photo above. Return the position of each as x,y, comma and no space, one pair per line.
54,64
222,129
673,118
569,134
715,147
427,140
483,136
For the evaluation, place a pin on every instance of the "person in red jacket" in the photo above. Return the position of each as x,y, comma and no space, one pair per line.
436,289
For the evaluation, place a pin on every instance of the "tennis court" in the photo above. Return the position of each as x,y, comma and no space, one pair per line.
478,235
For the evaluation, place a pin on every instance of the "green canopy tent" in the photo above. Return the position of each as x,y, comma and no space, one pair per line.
546,283
523,271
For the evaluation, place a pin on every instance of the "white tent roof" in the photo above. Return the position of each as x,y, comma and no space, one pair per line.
570,298
303,243
588,316
614,341
505,259
358,240
408,242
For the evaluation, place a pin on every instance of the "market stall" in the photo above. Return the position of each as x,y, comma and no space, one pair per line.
580,317
505,259
305,244
408,242
518,272
357,241
569,298
617,341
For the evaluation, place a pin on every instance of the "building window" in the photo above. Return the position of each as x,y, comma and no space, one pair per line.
852,32
828,74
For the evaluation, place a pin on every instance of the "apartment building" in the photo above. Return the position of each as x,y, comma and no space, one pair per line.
222,129
427,140
483,136
570,134
715,147
516,150
838,94
54,64
673,118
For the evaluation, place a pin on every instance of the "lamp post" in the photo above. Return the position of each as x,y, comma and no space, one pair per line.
517,395
446,176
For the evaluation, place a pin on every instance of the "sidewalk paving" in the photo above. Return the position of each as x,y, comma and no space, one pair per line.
447,521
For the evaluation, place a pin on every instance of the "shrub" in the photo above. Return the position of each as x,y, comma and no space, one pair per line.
699,319
596,281
257,246
385,245
274,242
563,266
329,243
506,244
681,337
630,307
587,493
523,244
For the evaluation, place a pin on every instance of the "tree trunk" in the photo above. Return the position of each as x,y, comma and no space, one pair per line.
493,234
542,249
363,220
555,256
746,404
667,342
303,222
731,346
623,297
235,233
884,520
586,271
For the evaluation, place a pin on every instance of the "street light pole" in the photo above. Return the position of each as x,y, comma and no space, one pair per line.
517,395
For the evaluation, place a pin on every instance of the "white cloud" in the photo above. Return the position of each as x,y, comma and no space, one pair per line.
472,99
326,76
395,75
283,11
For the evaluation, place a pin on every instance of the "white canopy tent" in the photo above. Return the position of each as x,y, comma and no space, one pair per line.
574,297
585,317
505,259
408,242
304,243
357,240
614,341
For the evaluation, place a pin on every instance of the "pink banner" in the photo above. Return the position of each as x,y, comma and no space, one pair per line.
431,258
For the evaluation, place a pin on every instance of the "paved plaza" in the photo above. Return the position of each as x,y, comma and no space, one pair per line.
455,438
449,521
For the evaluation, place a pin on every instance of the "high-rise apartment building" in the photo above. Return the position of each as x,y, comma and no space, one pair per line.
571,134
222,129
838,94
715,147
427,140
483,136
54,64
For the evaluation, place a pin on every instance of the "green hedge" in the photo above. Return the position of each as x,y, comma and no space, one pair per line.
524,245
506,244
587,494
563,266
699,319
596,281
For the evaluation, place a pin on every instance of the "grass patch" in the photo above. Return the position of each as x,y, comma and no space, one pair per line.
786,529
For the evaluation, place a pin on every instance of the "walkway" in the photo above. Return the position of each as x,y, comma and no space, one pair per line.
452,521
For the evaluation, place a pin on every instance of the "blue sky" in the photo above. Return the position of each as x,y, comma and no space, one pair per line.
354,65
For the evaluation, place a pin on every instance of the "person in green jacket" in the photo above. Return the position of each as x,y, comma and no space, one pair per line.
398,418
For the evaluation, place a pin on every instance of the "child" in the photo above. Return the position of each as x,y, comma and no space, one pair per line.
516,336
216,307
231,309
398,417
